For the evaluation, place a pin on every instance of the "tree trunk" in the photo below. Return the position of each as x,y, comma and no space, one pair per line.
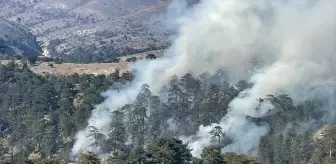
329,148
12,155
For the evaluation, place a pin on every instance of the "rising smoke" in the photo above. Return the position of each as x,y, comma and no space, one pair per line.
287,45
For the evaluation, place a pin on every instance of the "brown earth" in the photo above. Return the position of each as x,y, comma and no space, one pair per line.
66,69
72,68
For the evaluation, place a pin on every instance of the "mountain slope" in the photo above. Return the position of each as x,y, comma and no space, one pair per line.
65,26
15,39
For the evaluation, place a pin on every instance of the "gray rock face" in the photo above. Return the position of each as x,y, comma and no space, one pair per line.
17,40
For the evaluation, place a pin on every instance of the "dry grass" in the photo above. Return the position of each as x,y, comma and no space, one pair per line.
72,68
93,68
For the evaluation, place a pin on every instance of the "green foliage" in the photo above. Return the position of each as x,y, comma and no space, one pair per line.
117,158
117,136
42,161
329,160
286,143
88,158
233,158
195,160
169,151
212,155
42,114
49,161
137,155
28,161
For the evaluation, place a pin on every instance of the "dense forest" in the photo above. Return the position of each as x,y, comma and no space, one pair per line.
40,115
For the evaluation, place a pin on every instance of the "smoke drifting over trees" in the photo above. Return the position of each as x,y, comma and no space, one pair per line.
242,78
279,47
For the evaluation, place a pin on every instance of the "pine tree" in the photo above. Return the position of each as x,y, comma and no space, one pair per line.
117,135
278,150
96,136
217,134
168,151
137,156
317,155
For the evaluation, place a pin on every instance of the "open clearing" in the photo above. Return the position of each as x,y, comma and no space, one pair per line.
72,68
66,69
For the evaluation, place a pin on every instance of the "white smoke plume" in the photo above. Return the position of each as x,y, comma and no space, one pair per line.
305,56
290,45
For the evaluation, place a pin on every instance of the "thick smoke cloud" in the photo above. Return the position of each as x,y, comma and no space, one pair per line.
278,46
304,58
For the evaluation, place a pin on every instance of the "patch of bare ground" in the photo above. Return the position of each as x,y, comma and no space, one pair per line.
66,69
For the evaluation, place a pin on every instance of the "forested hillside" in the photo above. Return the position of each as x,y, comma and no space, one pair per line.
42,114
39,117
